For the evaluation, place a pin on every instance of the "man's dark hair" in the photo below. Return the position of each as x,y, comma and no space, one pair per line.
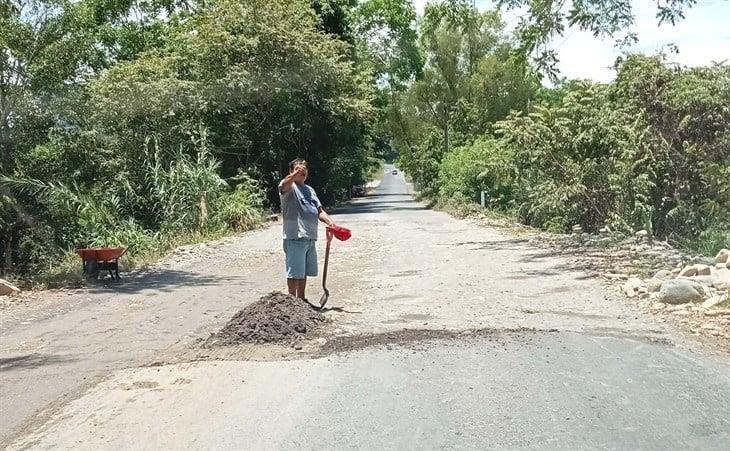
297,161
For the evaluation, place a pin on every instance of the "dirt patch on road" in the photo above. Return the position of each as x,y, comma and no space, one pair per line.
409,337
275,318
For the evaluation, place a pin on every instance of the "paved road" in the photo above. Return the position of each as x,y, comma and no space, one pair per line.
582,371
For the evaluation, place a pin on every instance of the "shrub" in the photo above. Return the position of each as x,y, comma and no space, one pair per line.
484,165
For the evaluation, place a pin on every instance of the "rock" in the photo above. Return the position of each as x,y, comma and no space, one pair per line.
688,271
721,278
713,301
7,288
723,256
653,285
577,228
641,234
664,275
658,306
680,291
632,286
702,260
703,280
702,270
725,312
605,229
674,308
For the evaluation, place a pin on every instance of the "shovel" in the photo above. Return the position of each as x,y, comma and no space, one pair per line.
342,234
326,295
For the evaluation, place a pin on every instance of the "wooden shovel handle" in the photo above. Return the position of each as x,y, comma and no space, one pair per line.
326,259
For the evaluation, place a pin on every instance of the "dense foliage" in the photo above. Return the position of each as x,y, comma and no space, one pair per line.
147,123
136,123
650,150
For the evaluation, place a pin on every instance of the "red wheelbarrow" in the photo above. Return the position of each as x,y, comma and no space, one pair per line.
95,259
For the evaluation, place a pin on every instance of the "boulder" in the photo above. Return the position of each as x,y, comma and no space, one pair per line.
723,256
7,288
653,285
706,281
641,234
702,270
663,275
721,278
713,301
632,286
680,291
688,271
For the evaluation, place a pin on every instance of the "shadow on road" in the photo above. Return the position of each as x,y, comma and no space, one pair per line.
30,361
506,244
166,280
380,207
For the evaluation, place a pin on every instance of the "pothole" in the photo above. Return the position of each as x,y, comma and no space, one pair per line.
408,337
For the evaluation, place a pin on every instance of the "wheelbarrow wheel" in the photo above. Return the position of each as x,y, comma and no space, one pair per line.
92,270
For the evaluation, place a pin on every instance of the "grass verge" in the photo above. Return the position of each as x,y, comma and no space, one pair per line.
68,270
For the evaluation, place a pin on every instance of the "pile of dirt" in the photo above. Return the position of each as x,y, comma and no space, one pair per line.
275,318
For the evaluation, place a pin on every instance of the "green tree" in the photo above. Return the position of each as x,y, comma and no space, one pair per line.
542,20
469,82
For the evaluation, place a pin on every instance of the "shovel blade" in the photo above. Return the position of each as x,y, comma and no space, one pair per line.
324,298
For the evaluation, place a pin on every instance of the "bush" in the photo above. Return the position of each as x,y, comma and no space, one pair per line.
649,151
485,165
709,241
242,208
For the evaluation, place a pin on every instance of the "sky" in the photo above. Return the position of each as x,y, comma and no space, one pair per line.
702,37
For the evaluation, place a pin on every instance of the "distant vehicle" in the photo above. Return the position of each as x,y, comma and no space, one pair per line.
395,172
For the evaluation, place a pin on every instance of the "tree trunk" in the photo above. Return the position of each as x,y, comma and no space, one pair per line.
8,251
446,134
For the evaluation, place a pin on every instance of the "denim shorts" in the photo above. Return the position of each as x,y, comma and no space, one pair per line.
301,258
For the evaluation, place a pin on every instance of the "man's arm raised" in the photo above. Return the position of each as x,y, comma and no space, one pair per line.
288,181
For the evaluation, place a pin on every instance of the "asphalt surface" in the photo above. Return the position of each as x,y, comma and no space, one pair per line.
565,367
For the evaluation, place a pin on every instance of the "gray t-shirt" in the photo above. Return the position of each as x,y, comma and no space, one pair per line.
300,211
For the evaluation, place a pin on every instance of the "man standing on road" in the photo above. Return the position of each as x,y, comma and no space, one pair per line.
300,210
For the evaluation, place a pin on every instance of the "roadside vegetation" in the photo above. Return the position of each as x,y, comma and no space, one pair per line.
650,150
148,124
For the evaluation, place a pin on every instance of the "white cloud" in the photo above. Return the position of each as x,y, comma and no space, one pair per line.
702,37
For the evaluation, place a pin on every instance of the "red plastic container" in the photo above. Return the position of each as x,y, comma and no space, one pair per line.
341,233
